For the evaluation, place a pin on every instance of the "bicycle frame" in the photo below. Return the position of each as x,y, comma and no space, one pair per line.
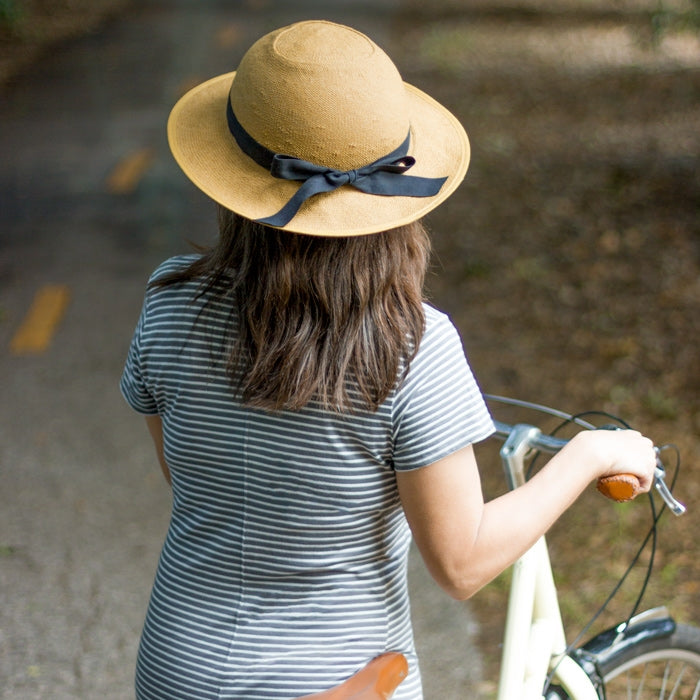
534,639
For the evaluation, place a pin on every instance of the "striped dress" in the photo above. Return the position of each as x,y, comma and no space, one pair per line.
284,567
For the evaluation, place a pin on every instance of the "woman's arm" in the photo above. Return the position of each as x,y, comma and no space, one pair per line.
155,428
465,542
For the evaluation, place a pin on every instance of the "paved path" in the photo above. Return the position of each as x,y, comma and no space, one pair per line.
90,201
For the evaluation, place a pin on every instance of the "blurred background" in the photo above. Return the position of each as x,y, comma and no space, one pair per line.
569,260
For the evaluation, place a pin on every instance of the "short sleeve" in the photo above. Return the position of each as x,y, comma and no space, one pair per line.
439,409
133,383
154,340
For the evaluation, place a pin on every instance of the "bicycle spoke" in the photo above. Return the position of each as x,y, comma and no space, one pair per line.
640,690
656,680
678,683
667,673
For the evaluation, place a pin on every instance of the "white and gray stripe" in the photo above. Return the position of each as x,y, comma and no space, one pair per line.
284,567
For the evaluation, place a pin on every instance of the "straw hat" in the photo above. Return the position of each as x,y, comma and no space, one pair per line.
318,114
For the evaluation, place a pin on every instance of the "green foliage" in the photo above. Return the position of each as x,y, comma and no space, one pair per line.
677,18
10,14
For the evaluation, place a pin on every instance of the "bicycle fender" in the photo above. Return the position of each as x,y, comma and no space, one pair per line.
609,646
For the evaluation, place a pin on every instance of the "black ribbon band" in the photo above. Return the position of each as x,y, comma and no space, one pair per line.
384,176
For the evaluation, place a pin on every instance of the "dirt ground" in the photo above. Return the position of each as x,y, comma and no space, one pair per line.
570,259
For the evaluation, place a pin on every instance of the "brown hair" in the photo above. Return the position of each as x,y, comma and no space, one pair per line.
316,315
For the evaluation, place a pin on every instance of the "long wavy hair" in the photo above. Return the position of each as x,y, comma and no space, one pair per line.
326,319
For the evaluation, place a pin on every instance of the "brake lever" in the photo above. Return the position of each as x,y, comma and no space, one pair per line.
675,506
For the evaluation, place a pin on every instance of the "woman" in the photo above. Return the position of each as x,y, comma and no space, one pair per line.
309,409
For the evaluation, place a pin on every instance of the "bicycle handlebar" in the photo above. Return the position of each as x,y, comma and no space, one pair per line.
619,487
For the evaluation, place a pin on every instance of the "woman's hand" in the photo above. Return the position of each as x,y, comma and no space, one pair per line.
611,452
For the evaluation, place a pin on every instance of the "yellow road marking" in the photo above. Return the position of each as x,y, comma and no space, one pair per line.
129,171
39,325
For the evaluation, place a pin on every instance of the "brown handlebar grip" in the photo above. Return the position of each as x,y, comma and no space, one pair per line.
619,487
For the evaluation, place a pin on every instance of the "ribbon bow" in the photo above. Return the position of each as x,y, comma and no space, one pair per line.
385,176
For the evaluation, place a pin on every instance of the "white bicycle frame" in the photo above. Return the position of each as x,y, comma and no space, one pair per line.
534,642
534,639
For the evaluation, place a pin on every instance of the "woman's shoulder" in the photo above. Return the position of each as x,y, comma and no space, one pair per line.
172,265
166,291
440,348
433,316
439,328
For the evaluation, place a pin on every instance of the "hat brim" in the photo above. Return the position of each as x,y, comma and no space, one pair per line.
208,154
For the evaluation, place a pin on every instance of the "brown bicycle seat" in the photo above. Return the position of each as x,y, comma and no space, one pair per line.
376,681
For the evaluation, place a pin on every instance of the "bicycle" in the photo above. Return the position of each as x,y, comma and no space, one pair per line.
646,656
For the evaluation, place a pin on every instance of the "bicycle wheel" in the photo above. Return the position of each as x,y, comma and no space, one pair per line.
663,669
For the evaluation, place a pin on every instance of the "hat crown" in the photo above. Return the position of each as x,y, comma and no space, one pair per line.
321,92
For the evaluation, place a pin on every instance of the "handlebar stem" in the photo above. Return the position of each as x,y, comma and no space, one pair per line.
518,445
